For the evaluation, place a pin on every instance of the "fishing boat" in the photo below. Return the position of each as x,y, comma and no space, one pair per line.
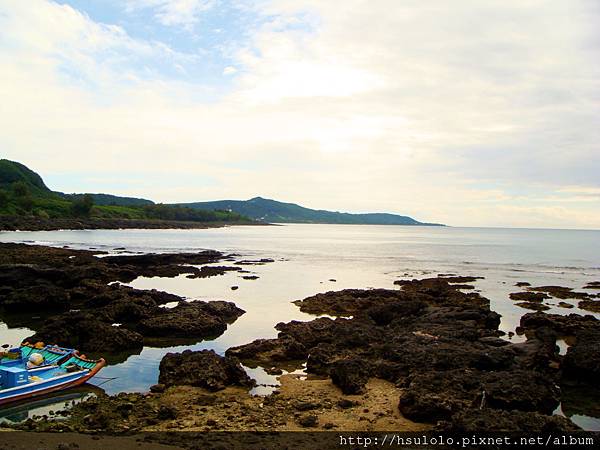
34,370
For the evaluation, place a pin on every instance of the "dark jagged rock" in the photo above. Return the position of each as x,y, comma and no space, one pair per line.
529,296
533,306
254,262
250,277
590,305
442,345
34,223
569,325
266,351
393,334
580,398
203,369
522,284
211,271
538,352
523,390
81,296
190,319
592,285
350,376
352,301
582,361
476,420
565,305
384,314
85,331
345,302
36,298
434,396
459,279
308,421
560,292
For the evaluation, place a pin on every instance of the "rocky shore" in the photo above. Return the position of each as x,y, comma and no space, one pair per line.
83,304
31,223
425,357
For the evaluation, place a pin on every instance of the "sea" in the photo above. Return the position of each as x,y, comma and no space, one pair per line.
311,258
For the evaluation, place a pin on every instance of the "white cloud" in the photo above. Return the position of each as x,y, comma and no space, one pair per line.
470,113
229,70
173,12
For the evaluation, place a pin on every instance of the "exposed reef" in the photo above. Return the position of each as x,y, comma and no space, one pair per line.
84,304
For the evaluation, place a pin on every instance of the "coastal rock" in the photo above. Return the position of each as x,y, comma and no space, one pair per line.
268,351
308,421
568,325
212,271
476,420
523,390
560,292
203,369
582,361
227,311
392,334
346,302
254,262
533,306
565,305
81,296
434,396
34,223
459,279
442,345
590,305
190,319
84,331
529,296
36,298
538,352
349,375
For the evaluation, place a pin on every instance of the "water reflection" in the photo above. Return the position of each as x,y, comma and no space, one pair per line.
47,405
307,260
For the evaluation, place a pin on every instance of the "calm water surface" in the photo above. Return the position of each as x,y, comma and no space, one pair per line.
307,257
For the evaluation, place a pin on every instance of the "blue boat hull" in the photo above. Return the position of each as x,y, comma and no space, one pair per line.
35,389
63,369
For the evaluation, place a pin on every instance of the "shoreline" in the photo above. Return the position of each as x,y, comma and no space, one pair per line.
413,345
14,223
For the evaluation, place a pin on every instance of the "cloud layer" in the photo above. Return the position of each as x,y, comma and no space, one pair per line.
470,113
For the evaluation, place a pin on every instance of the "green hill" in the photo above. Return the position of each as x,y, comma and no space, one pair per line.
259,208
13,172
113,200
23,193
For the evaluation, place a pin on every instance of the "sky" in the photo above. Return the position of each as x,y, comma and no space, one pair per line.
470,112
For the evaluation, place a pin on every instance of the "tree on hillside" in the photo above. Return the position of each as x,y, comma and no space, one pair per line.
25,202
22,195
20,189
82,205
3,198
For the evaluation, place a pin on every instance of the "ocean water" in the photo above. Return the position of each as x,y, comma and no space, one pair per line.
318,258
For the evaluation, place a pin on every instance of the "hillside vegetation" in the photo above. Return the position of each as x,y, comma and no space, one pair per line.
24,193
259,208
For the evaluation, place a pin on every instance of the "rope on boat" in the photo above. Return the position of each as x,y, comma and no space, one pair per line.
106,380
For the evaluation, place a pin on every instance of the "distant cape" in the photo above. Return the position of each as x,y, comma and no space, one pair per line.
267,210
